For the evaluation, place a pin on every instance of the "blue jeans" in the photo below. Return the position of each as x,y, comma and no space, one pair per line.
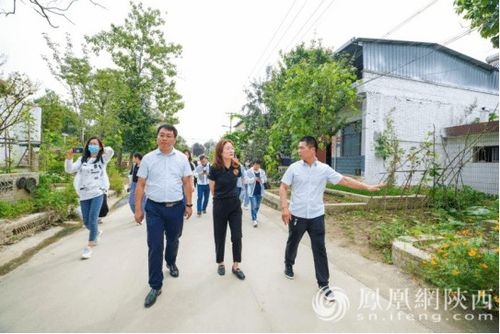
131,198
244,196
161,223
90,213
255,205
203,193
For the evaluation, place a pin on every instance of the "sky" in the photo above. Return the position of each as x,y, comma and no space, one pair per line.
226,43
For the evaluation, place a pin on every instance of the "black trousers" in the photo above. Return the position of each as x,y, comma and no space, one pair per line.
315,227
227,211
162,223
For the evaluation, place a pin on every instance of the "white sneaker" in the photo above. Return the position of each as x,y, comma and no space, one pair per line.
254,223
99,235
87,253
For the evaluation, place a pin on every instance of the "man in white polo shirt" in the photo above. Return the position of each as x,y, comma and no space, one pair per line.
167,177
308,178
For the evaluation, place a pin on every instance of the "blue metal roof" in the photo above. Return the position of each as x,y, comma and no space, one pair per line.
421,61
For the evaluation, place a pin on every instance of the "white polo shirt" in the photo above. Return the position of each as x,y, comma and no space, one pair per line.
163,174
308,184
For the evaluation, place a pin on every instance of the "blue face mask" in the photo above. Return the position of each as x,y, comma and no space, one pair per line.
93,149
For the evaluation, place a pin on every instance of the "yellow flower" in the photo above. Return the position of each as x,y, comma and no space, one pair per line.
454,243
484,265
472,252
455,272
464,243
440,250
445,255
433,261
495,298
481,293
465,232
445,245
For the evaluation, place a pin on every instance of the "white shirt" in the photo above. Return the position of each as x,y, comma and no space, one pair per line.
91,179
202,179
308,185
163,174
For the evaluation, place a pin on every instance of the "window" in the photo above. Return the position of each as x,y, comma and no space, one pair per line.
351,140
486,154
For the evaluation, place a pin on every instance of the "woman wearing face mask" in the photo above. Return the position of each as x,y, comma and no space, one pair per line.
90,184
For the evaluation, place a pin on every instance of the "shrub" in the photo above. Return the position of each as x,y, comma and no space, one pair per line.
449,199
59,201
13,210
466,265
116,178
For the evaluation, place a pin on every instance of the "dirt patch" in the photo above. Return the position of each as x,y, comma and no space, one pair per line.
353,230
352,233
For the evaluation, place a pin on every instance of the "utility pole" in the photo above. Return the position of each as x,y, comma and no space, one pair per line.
231,114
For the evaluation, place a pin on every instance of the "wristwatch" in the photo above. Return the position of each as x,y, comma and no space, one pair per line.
189,205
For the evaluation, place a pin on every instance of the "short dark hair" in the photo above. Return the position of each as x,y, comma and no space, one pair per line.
137,155
203,156
310,141
167,127
256,162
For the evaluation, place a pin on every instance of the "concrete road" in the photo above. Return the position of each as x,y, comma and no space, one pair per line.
56,291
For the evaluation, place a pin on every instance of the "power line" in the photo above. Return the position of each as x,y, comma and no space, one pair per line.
317,19
306,22
411,17
286,30
456,38
272,38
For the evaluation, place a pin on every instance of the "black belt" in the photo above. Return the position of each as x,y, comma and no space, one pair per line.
168,204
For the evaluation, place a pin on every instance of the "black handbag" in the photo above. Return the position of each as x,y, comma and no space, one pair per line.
104,207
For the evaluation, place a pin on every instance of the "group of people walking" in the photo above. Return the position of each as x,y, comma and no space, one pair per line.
161,192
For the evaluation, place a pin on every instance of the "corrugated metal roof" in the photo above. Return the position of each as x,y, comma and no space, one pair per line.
422,61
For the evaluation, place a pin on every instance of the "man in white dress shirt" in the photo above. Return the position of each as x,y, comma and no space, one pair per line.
308,178
166,176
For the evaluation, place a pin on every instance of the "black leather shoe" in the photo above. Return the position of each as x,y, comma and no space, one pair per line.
151,297
288,271
239,274
221,270
174,271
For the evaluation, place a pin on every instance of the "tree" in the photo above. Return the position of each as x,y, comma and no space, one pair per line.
15,99
198,149
308,94
75,74
139,49
181,144
46,9
483,15
257,121
103,103
57,116
239,139
209,148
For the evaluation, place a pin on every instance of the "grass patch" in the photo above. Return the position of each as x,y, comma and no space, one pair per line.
327,198
393,191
